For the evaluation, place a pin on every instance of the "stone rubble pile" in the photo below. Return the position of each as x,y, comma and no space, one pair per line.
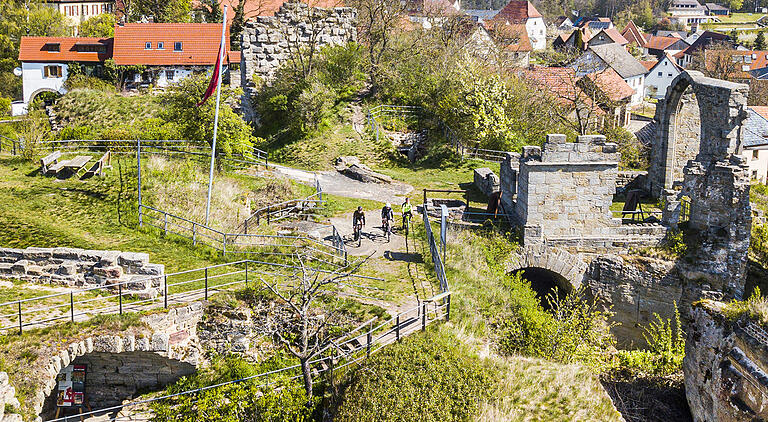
83,268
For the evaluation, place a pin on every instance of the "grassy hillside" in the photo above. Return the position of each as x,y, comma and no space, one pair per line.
100,111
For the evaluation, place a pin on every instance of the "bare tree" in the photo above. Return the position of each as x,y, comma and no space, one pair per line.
308,333
716,60
377,23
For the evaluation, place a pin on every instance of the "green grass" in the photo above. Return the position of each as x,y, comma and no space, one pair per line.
741,18
45,212
86,107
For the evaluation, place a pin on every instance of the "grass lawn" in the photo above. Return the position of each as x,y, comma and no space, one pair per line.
741,18
45,212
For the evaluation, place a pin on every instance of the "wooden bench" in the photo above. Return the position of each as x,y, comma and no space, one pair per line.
105,162
50,163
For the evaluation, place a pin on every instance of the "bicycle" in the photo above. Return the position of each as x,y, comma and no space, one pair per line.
358,233
385,225
406,223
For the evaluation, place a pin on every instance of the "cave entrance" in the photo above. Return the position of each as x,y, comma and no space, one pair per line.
112,378
545,282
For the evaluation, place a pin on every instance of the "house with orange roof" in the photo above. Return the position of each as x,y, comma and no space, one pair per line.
607,36
660,46
634,35
168,52
523,12
509,44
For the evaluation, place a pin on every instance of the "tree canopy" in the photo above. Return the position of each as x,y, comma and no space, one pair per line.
102,25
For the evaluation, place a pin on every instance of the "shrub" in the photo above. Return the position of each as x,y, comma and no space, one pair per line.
665,348
758,244
572,331
754,308
634,155
82,81
430,377
313,104
5,106
282,400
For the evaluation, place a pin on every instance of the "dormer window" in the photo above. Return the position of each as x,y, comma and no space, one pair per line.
160,46
147,45
52,47
177,46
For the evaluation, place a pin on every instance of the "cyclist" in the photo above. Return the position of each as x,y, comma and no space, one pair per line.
358,222
407,213
387,217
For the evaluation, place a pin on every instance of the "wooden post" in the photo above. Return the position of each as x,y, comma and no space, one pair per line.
120,296
71,306
206,283
246,226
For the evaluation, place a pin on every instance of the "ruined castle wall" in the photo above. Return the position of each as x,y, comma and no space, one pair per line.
82,268
269,41
567,189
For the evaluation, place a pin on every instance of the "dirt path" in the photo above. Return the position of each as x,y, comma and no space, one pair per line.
335,183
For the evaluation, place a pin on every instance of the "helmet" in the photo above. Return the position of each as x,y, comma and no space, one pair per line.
359,208
388,205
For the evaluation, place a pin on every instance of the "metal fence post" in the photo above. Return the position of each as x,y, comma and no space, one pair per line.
165,225
224,244
165,291
194,233
71,306
246,226
206,283
448,309
397,327
423,316
120,296
246,274
21,325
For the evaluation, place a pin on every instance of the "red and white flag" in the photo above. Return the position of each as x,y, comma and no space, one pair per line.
214,78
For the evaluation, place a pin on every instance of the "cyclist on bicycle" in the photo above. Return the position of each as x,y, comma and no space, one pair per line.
407,212
387,217
358,218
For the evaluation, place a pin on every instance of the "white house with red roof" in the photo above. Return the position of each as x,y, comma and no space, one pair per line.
660,76
169,52
523,12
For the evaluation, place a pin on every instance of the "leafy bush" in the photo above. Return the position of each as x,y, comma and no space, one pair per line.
246,401
5,106
81,81
313,104
431,377
758,244
665,351
755,308
634,155
573,330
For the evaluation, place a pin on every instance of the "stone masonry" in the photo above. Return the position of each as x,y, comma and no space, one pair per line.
82,268
8,401
486,180
566,189
269,41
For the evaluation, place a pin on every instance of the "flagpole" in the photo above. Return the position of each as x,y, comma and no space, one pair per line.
222,47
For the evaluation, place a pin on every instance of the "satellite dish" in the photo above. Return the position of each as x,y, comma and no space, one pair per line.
17,71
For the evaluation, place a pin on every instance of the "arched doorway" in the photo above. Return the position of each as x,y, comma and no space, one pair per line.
547,284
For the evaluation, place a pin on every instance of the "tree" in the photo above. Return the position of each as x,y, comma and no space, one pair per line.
102,26
760,41
715,60
119,73
377,23
159,10
735,4
196,123
309,331
210,11
236,28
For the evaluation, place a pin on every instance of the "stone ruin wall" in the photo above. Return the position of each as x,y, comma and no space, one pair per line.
83,268
9,405
269,41
725,366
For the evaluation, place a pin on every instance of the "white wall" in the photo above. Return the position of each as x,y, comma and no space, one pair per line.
33,79
537,33
178,74
638,84
661,77
758,166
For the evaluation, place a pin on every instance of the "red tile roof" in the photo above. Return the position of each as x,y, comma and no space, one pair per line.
200,43
660,43
649,64
761,110
615,36
746,60
70,49
561,82
633,34
517,11
611,84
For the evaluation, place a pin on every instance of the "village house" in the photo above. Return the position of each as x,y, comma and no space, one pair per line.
634,35
522,12
167,52
598,58
594,23
660,77
714,9
689,13
660,46
77,11
703,41
756,143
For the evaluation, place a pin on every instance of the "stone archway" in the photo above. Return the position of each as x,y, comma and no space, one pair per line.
567,268
721,111
41,91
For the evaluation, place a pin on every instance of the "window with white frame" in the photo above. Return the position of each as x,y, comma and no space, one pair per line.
177,46
169,74
160,45
147,45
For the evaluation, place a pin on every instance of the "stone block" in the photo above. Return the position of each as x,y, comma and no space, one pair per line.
38,254
133,259
106,258
107,344
159,342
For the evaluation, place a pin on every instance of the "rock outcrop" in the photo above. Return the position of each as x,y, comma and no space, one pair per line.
725,366
351,167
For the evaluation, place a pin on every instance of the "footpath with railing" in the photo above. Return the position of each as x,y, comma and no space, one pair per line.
339,353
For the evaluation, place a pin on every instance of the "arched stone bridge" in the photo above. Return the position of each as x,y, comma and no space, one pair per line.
568,266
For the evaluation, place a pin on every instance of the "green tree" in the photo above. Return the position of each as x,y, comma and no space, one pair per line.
160,10
117,74
236,28
735,4
210,11
760,41
102,25
196,123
